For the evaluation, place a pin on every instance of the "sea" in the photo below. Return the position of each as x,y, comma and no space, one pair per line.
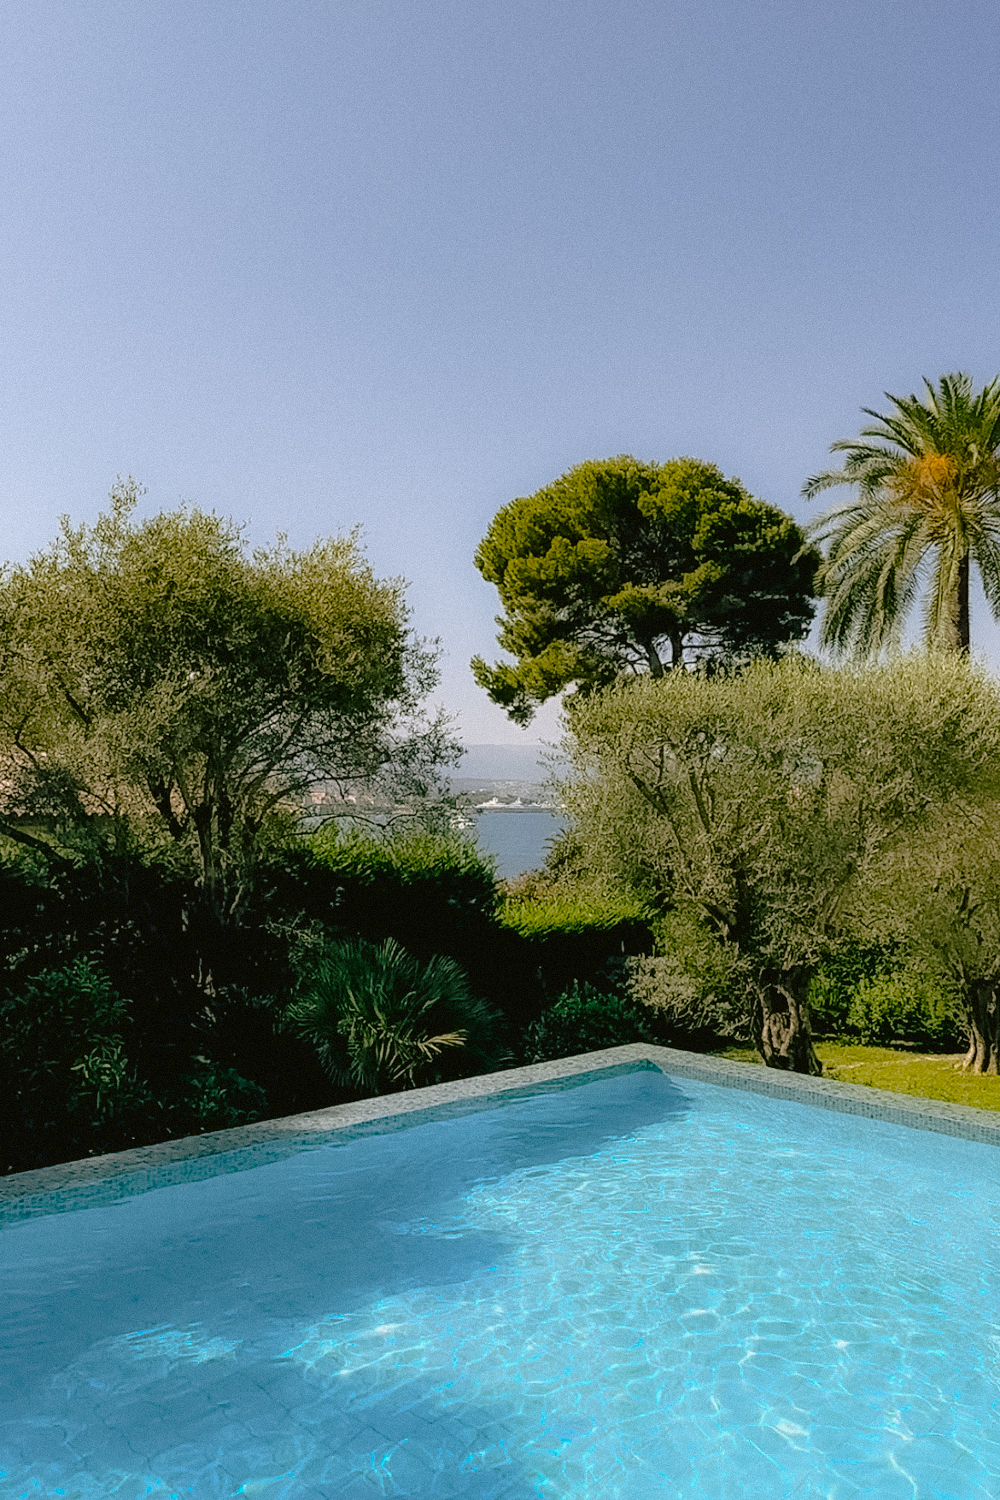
518,841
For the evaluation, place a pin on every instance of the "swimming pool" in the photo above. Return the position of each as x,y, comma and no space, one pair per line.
628,1288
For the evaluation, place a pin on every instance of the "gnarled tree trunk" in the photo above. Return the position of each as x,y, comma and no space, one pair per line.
982,1011
783,1032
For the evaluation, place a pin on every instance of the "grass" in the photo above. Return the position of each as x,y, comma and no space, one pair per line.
927,1075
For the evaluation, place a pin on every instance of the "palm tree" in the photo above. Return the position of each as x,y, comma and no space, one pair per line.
926,506
380,1019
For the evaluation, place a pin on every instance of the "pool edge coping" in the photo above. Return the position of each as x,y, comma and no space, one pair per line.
143,1167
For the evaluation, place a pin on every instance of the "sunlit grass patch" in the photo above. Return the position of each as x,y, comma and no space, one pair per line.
927,1075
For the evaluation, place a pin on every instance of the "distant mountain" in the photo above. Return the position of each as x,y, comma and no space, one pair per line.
503,763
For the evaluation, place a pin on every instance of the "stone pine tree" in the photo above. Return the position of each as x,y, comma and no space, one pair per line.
621,566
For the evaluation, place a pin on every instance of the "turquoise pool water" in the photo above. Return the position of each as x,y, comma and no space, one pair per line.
628,1289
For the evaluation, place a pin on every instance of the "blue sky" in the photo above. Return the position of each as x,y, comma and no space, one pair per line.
320,264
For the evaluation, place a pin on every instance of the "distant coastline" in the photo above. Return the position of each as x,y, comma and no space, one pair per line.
505,778
495,805
489,796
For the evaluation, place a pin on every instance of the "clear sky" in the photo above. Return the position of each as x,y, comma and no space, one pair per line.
319,264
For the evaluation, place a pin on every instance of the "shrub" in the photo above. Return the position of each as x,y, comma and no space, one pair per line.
105,1090
212,1097
908,1006
692,984
55,1020
71,1085
585,1019
381,1020
67,1085
848,963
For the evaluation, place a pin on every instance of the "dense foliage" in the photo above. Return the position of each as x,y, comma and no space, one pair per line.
758,848
109,1039
71,1082
627,566
167,699
586,1019
159,683
757,805
940,897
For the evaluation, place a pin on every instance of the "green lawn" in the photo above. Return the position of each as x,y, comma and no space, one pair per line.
929,1075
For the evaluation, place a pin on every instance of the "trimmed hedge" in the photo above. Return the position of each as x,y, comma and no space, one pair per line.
539,918
438,896
565,941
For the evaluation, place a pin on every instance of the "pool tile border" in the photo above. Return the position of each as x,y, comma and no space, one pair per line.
103,1179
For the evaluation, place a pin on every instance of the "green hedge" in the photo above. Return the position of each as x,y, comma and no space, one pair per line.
562,914
567,940
439,896
128,1048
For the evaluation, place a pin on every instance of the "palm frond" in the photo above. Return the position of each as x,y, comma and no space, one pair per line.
867,466
869,576
986,555
816,483
905,434
926,476
379,1018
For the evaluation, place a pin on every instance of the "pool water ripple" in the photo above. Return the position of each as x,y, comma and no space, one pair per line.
714,1295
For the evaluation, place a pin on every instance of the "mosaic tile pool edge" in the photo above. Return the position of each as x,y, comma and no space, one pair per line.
103,1179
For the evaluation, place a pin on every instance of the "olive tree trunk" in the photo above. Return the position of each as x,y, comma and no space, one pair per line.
982,1012
782,1028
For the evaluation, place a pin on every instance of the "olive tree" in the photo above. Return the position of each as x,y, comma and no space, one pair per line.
156,677
939,896
756,802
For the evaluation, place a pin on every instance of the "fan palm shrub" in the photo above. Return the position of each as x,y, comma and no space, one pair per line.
926,506
380,1020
